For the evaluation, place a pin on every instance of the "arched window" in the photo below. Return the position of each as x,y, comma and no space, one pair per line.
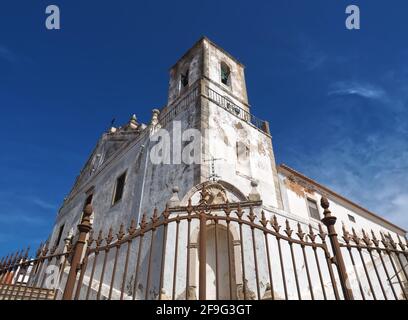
225,74
184,78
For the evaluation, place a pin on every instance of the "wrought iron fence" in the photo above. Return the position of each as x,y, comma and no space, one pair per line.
223,251
22,278
148,257
378,268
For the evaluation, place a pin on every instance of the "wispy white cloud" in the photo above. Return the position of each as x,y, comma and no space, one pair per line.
42,203
313,60
7,55
22,218
9,198
309,55
364,90
370,167
371,175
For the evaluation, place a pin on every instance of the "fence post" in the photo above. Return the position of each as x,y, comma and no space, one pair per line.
203,255
329,221
84,227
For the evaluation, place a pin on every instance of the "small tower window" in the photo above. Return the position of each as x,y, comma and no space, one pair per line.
225,74
184,79
351,218
119,188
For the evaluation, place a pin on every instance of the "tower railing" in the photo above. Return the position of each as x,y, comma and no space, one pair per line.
178,107
231,107
222,101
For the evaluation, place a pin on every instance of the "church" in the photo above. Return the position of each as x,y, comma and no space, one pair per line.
218,219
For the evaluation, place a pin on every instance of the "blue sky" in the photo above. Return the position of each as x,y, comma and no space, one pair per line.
336,99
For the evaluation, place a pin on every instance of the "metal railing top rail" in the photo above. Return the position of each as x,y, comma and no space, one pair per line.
371,242
44,252
269,226
234,109
177,107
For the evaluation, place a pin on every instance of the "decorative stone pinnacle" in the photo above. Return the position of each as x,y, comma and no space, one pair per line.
254,194
133,122
154,123
155,116
70,233
174,200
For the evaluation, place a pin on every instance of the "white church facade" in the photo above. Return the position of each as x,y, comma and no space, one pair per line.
264,236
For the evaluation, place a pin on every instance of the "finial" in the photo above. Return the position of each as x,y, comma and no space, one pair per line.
112,129
154,123
174,200
88,210
328,219
133,122
155,116
254,194
86,217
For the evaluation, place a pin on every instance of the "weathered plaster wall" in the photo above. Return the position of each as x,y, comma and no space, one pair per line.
237,90
147,181
225,131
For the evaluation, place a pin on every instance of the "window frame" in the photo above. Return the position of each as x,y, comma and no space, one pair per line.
181,86
60,232
317,207
113,202
229,82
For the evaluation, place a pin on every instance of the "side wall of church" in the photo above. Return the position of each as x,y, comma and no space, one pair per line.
145,180
295,202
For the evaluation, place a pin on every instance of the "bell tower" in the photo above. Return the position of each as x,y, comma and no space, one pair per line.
239,141
210,63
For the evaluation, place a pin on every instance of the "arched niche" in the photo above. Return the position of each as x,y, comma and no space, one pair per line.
219,192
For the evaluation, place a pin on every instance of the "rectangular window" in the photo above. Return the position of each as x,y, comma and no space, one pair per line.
313,209
351,218
61,229
88,200
119,187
